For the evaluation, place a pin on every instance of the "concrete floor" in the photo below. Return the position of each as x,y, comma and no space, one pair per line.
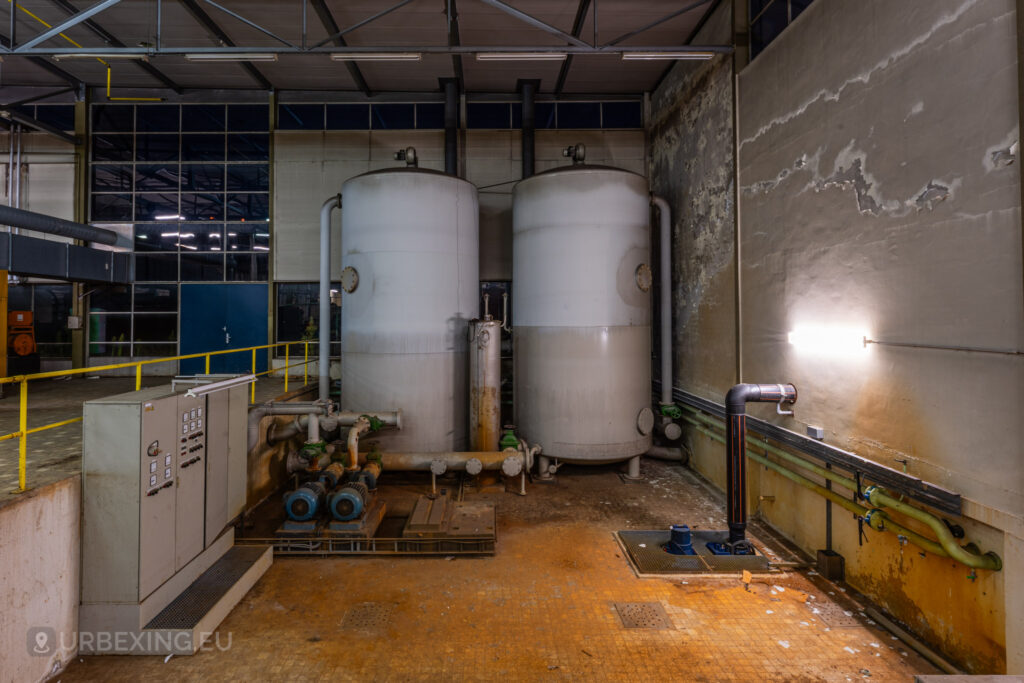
540,608
57,453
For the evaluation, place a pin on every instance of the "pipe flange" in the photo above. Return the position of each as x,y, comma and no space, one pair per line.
438,466
672,431
644,277
474,467
349,279
512,465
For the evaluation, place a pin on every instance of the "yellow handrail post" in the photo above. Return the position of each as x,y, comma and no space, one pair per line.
286,368
138,377
22,433
252,387
207,364
305,367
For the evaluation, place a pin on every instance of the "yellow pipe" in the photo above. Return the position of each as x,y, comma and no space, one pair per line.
207,370
252,387
138,377
54,425
305,371
286,368
23,439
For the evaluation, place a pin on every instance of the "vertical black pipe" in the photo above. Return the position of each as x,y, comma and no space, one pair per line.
451,125
527,93
735,447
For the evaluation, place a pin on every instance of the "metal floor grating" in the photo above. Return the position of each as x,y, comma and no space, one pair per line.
833,614
197,600
642,615
646,552
368,617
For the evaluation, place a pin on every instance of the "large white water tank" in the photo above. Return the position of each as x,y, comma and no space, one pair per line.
410,283
582,313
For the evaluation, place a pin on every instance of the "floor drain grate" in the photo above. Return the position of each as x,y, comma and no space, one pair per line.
642,615
368,617
833,614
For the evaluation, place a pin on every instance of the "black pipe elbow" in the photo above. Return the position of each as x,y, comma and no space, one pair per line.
741,394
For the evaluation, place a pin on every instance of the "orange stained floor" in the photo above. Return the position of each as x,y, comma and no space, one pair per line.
541,608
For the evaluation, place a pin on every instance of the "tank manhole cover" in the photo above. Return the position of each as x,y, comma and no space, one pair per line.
368,617
642,615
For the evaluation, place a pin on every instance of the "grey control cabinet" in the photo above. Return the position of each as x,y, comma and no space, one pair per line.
162,475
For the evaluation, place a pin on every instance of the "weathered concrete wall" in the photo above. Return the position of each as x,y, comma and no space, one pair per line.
39,578
879,192
691,158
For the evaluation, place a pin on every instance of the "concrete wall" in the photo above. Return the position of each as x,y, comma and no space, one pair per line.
309,166
878,191
39,545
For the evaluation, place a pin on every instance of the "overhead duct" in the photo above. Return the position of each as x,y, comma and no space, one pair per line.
29,220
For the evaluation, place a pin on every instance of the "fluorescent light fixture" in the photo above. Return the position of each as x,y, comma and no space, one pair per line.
829,340
520,56
170,217
680,54
231,57
376,56
100,55
259,248
178,234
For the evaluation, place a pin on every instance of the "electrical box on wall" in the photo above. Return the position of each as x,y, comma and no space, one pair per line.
163,474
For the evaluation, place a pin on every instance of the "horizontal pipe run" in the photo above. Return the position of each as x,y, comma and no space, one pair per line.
454,460
29,220
666,453
879,522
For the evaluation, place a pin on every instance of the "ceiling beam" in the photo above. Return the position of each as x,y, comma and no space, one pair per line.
108,38
360,24
70,22
45,64
577,29
535,22
16,116
331,26
455,40
200,15
667,17
37,98
232,49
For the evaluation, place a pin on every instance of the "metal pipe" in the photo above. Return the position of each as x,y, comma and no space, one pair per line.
947,545
665,247
19,218
735,439
361,426
345,418
527,92
324,361
257,413
313,420
451,125
452,460
485,383
877,496
666,453
17,174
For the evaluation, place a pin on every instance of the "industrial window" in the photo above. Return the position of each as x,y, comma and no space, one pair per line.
768,18
566,115
50,305
133,320
298,316
192,182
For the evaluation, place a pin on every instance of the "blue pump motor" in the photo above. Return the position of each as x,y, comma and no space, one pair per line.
303,503
679,540
348,502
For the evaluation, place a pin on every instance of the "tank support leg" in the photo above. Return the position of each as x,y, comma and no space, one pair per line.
633,468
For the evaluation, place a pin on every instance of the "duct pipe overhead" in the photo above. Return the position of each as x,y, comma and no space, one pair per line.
451,124
527,92
29,220
735,448
324,360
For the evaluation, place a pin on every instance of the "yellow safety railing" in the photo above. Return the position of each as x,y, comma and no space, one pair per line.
23,380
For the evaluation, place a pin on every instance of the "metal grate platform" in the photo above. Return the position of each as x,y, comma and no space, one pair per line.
642,615
833,614
368,617
646,553
186,611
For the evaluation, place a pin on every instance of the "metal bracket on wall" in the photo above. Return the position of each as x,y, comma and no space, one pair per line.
898,482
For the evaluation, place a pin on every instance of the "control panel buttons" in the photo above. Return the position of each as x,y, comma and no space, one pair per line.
184,416
167,473
200,413
167,461
152,480
152,466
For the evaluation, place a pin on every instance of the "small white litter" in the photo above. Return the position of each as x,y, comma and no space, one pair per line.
850,650
784,643
779,589
768,611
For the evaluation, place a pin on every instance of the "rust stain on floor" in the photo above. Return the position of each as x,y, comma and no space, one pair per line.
542,608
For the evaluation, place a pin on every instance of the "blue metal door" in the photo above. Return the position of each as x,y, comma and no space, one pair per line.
218,317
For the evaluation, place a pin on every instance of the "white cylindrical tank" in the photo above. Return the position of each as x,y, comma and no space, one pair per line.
410,284
582,313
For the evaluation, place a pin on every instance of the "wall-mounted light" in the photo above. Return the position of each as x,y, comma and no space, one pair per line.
376,56
100,55
679,54
828,339
231,57
520,56
169,217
